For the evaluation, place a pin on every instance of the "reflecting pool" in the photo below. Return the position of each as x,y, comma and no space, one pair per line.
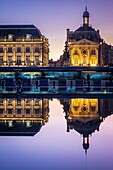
56,133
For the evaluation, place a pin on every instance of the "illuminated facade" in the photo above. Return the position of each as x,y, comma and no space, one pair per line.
85,47
23,116
23,45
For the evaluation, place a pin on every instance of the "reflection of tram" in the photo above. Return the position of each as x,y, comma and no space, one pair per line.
85,115
21,117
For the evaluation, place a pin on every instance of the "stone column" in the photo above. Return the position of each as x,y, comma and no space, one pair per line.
32,55
14,57
5,54
23,54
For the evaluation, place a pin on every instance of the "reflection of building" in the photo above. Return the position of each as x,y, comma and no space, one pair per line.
85,47
23,45
85,115
23,116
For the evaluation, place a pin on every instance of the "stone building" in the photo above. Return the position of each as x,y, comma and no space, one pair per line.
85,47
23,45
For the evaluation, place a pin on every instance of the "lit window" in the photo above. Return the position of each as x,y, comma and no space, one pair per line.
28,102
18,60
10,102
76,52
10,37
28,37
93,52
19,103
93,108
27,58
9,58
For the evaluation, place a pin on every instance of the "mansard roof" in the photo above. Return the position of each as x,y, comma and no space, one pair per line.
19,31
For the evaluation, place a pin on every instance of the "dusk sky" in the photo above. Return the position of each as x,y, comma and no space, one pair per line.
53,17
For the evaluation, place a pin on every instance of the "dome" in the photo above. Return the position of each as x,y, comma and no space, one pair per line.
86,32
86,13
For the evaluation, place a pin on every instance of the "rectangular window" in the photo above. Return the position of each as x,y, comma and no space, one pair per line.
28,102
9,58
10,37
37,59
18,111
10,102
27,49
93,52
18,62
37,50
9,50
27,111
1,58
1,102
1,111
37,111
10,111
1,50
36,102
19,103
18,49
27,58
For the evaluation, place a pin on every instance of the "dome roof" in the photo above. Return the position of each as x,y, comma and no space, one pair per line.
86,32
86,14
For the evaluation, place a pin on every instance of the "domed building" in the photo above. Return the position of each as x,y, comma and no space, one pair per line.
23,45
85,47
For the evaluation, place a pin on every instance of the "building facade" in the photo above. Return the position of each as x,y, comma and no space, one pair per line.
23,45
85,47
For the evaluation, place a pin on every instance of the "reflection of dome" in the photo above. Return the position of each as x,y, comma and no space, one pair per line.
86,128
86,146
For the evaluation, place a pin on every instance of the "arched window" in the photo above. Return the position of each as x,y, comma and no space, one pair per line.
93,52
75,52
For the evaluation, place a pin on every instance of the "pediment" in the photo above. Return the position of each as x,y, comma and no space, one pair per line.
85,42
